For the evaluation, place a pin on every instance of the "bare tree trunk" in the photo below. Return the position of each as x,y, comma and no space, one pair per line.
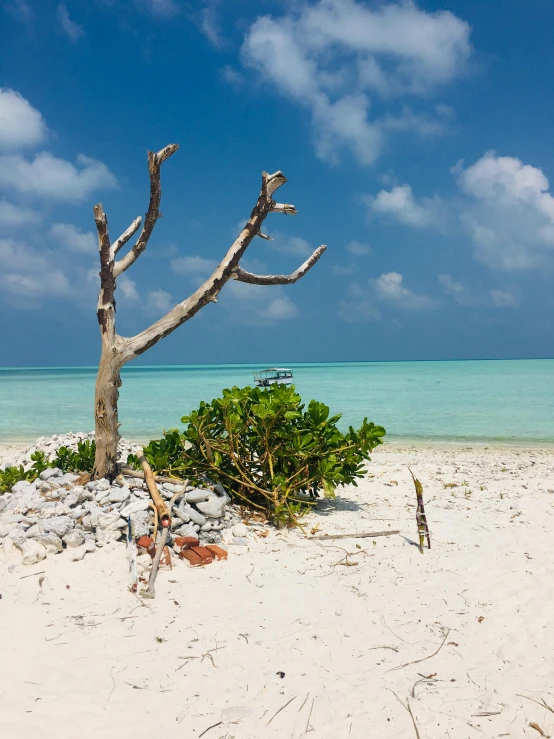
118,350
106,424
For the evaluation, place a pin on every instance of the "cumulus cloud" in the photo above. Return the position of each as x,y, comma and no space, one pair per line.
508,212
52,178
210,26
290,245
331,56
74,238
70,28
357,249
158,301
26,275
388,289
21,125
474,296
193,266
401,204
15,215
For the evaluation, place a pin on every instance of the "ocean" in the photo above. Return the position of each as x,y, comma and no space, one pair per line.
480,401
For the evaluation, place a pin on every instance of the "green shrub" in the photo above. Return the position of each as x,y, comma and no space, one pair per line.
266,448
80,461
66,460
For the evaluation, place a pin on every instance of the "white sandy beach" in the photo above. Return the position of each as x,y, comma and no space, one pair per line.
82,656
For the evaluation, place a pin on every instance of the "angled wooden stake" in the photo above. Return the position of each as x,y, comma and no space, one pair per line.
421,518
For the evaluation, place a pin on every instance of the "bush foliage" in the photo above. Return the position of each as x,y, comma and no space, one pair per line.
66,460
266,448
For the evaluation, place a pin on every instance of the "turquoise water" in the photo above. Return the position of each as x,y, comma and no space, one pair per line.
508,401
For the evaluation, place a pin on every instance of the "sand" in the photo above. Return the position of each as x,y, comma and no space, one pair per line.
285,640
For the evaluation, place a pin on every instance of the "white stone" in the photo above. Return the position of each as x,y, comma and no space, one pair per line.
119,495
212,508
51,542
59,525
240,530
194,515
50,472
32,551
74,539
133,507
197,495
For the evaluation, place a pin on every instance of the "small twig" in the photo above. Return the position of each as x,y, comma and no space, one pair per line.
409,709
394,649
209,727
304,703
417,661
32,574
535,726
244,637
113,688
370,535
281,709
310,716
541,703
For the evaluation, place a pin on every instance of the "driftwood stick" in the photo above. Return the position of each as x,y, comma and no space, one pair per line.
367,535
421,518
159,503
151,593
129,472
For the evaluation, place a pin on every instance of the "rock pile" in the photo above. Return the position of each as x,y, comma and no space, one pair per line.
54,513
52,444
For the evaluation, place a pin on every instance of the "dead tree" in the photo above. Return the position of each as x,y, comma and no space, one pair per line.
118,350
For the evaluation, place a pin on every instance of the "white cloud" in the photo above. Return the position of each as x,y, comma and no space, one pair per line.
56,179
159,301
210,26
509,212
359,306
72,29
159,8
193,266
15,215
467,296
330,55
231,76
128,288
285,244
402,205
74,238
502,299
256,305
357,249
21,125
458,291
27,275
390,288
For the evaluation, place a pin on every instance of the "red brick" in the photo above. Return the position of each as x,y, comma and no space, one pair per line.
193,559
144,541
186,542
216,552
203,553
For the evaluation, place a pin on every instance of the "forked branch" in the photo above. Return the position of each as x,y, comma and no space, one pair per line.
252,279
155,162
227,269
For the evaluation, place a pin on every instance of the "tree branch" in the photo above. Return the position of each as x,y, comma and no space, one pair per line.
243,276
125,236
211,288
155,162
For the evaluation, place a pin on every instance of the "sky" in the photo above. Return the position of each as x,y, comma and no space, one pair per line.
416,139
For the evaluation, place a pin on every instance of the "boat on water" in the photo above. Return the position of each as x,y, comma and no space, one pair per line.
273,376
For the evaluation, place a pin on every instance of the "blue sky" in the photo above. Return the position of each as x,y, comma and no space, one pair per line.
416,139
